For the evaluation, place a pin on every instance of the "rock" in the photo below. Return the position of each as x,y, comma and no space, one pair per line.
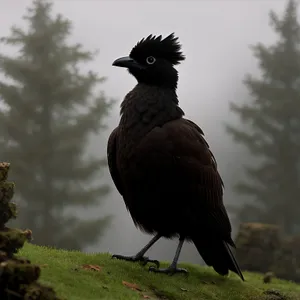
256,246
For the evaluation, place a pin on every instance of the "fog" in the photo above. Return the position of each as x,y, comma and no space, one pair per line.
215,36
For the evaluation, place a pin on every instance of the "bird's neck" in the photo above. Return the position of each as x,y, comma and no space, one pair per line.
148,107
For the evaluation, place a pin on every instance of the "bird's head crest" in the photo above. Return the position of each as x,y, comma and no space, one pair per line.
152,60
167,48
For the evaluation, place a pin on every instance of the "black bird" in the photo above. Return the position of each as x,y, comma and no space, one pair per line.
162,165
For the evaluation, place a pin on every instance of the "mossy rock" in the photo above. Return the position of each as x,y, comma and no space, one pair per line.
6,191
37,291
15,273
19,277
4,168
11,240
8,210
256,246
287,259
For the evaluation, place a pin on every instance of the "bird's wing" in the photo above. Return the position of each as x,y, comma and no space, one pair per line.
180,145
111,158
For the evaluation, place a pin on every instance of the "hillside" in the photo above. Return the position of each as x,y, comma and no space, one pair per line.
79,276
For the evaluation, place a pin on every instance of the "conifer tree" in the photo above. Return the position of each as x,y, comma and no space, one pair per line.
271,128
50,109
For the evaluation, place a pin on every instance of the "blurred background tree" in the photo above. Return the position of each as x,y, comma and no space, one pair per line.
270,129
51,110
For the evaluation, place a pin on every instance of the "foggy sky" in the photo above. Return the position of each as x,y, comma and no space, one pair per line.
215,35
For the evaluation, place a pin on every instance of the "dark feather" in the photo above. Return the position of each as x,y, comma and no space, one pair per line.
111,158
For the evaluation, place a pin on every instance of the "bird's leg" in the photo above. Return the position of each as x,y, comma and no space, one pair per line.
172,269
140,255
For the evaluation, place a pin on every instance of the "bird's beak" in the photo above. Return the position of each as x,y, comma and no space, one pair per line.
127,62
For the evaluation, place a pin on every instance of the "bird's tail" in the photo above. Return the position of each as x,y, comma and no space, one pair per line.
217,253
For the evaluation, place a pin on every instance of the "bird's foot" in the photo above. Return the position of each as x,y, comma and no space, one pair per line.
136,258
171,270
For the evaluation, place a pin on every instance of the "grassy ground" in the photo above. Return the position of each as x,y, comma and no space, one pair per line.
113,279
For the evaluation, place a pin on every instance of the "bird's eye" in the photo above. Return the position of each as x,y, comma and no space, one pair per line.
150,60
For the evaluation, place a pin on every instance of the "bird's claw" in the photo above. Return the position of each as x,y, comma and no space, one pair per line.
142,259
146,260
169,271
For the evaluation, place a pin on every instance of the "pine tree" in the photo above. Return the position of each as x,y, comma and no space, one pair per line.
271,129
51,111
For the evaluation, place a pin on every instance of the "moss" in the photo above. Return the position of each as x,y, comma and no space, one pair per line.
18,277
63,269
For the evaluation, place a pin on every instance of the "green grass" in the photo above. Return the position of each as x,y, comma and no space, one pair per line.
63,270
